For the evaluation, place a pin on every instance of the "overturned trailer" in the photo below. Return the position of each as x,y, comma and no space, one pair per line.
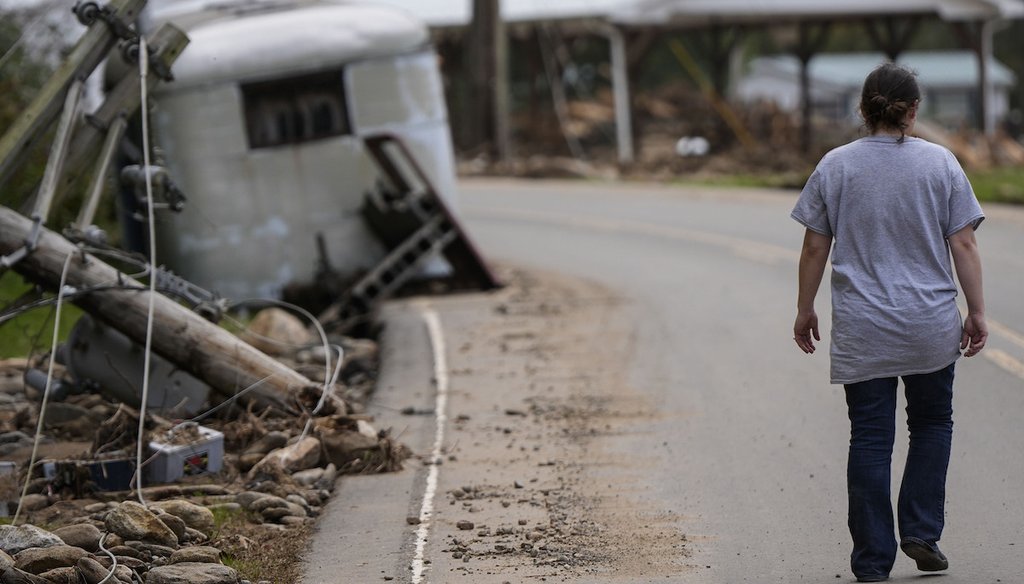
264,130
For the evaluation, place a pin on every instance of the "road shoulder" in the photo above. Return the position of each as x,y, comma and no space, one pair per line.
529,485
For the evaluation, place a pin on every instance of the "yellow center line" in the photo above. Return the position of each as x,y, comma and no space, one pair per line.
1004,361
753,250
745,248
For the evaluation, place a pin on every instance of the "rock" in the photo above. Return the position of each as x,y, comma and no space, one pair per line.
162,492
13,575
195,516
67,575
247,498
291,520
201,554
23,537
95,508
62,413
34,502
228,507
302,455
91,570
39,560
464,525
276,332
151,549
267,501
6,561
132,521
308,478
326,481
344,446
83,535
15,437
268,442
192,573
128,551
411,520
248,460
195,536
176,524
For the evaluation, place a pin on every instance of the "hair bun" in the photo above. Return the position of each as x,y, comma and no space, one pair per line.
879,100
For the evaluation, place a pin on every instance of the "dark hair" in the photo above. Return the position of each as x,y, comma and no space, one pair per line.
889,93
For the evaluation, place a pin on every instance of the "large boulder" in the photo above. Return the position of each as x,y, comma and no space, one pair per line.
195,516
39,560
192,573
132,521
83,535
23,537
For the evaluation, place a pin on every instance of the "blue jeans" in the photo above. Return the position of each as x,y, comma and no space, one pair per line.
872,409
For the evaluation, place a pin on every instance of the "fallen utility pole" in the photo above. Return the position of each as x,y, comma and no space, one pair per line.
194,344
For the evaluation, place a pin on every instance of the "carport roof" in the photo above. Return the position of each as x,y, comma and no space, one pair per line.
445,13
703,12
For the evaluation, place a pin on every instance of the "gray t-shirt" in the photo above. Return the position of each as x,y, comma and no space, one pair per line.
889,207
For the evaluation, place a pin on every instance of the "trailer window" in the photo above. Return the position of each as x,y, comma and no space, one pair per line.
295,110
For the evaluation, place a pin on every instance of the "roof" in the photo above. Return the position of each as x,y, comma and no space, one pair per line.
934,68
703,12
307,37
450,13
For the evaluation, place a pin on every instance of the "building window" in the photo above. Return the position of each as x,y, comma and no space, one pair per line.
295,110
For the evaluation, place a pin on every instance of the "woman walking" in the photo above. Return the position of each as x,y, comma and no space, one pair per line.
893,209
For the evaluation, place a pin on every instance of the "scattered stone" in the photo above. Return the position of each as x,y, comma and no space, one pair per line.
34,502
132,521
194,516
23,537
83,535
464,525
13,575
517,485
192,573
201,554
65,575
308,478
93,571
276,332
39,560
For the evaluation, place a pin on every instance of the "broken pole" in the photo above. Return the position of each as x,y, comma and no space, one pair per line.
208,352
83,59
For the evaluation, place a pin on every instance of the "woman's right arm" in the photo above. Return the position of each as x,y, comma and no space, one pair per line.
964,248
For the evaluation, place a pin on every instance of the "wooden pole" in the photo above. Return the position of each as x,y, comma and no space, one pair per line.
84,57
194,344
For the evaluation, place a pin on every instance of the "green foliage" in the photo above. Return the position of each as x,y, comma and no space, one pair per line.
32,331
21,75
999,185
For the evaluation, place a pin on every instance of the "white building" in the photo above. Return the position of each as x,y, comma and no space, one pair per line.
948,81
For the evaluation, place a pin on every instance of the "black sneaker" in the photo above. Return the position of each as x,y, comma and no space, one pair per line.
928,557
872,578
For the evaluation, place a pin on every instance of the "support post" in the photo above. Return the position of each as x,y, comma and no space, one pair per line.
487,106
620,91
810,41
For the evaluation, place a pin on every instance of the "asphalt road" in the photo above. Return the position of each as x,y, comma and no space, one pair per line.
751,441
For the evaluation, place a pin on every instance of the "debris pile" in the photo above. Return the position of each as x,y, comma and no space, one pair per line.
762,139
268,468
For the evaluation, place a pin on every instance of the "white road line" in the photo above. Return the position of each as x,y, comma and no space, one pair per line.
436,334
